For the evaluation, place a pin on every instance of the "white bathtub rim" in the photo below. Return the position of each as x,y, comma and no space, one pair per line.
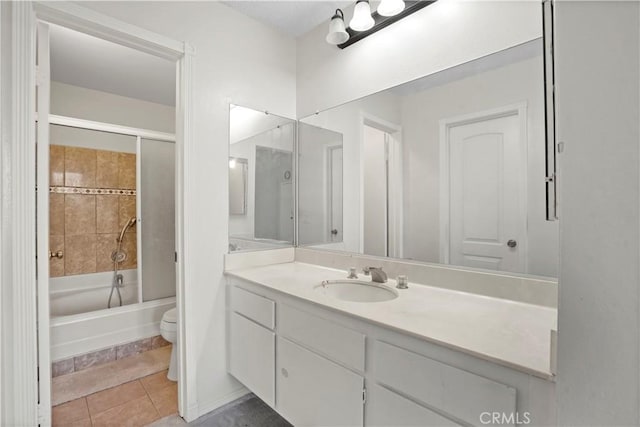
91,281
107,312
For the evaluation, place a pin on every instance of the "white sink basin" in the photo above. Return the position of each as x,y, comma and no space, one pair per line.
357,290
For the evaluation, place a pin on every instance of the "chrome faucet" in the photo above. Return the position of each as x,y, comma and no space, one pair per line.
377,275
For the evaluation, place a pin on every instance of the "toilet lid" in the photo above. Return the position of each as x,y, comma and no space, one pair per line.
170,316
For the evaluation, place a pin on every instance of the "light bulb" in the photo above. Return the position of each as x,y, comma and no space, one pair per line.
362,19
337,32
390,7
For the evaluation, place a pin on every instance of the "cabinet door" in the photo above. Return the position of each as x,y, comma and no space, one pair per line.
252,357
386,408
313,391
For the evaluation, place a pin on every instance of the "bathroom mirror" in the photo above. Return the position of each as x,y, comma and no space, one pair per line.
449,168
261,189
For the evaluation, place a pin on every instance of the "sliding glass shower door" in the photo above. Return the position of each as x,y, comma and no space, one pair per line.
156,210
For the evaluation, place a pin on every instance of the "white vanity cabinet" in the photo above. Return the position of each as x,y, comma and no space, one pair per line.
320,367
252,348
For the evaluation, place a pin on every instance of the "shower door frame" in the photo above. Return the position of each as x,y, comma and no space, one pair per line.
31,399
139,134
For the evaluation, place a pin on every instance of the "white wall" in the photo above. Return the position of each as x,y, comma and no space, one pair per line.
240,61
421,115
597,75
430,40
88,104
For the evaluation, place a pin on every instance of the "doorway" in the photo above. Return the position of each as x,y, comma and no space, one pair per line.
381,189
483,193
148,143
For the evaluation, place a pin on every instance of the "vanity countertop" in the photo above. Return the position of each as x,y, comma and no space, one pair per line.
514,334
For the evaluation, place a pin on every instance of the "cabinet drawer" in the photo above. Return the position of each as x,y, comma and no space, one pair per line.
341,344
255,307
386,408
252,352
454,391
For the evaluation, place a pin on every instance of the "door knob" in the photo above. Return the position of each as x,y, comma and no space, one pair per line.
512,243
334,231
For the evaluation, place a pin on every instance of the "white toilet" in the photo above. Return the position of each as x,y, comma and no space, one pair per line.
169,331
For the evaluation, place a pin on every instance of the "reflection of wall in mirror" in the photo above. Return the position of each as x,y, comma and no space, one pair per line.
277,138
314,213
347,120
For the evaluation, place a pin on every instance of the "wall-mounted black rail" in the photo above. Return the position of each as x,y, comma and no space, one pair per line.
384,21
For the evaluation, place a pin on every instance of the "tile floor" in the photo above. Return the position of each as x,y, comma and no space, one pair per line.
135,403
73,386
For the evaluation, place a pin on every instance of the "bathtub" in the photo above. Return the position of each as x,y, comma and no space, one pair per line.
81,323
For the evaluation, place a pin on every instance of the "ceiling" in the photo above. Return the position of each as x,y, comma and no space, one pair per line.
293,18
86,61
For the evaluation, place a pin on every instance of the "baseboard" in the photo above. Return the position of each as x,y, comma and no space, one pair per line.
207,407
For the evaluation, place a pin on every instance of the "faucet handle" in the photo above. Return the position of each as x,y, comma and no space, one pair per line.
352,273
366,270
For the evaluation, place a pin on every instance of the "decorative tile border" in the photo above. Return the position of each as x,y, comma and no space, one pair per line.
92,191
106,355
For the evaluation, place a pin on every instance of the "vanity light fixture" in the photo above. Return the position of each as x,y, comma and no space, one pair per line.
365,23
337,31
390,7
362,19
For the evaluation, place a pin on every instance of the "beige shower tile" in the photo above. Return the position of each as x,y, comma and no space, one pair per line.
127,171
107,214
79,214
56,265
80,254
127,208
80,167
105,245
130,246
107,169
56,214
56,165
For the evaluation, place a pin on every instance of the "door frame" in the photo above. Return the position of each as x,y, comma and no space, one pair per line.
519,109
24,353
328,197
395,200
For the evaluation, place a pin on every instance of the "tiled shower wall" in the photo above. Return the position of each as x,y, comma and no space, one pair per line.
92,196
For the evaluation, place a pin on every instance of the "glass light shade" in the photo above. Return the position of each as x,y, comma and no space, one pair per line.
337,32
362,19
390,7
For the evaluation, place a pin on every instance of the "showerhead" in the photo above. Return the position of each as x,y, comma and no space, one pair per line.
132,221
